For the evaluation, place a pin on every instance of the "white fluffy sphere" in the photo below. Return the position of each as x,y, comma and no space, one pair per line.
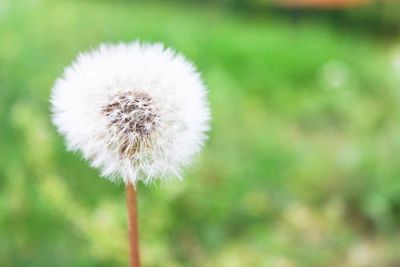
135,111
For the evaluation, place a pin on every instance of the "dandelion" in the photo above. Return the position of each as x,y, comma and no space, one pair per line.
137,112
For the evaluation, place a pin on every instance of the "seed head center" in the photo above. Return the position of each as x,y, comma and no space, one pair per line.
133,118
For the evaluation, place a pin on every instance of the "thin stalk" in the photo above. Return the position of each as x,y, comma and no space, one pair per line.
133,225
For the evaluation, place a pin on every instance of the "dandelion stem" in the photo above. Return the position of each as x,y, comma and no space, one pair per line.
132,225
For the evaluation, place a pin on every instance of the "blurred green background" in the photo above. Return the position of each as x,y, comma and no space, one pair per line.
302,167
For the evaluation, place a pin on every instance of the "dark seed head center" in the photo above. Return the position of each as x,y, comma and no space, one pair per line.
134,118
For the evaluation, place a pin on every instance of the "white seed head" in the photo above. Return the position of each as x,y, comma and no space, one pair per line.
135,111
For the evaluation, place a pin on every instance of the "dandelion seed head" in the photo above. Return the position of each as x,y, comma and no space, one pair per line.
135,111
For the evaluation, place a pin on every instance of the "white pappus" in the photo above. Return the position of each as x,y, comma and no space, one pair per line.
135,111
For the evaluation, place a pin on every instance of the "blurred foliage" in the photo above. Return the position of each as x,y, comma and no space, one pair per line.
301,168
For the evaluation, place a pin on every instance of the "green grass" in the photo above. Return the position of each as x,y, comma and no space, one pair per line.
301,168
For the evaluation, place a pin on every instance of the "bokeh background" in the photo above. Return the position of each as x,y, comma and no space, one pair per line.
302,167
